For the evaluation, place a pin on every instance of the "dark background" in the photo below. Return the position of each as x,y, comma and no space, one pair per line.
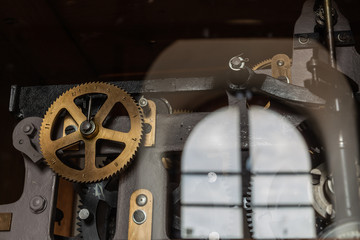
72,41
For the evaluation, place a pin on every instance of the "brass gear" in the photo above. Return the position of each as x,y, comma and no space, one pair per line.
131,139
262,65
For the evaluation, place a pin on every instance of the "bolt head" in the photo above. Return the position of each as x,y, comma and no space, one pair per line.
139,217
37,204
304,39
143,102
26,128
84,214
141,200
280,63
87,127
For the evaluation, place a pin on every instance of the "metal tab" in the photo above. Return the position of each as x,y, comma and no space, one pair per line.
140,216
5,221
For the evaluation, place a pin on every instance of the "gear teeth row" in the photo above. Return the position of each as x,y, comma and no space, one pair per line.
181,111
262,64
248,208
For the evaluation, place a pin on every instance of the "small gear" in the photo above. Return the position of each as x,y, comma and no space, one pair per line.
86,132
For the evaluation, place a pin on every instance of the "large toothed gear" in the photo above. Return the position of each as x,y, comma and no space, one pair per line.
87,132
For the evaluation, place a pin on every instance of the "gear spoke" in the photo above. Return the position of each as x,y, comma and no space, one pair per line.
104,110
66,140
90,155
113,135
75,112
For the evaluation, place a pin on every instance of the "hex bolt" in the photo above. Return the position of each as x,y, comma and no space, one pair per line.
37,204
84,214
280,63
139,217
141,200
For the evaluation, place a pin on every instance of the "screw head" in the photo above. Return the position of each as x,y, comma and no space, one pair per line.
87,127
143,102
280,63
139,217
84,214
304,39
26,128
141,200
37,204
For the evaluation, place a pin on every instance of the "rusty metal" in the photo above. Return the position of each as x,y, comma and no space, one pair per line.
90,173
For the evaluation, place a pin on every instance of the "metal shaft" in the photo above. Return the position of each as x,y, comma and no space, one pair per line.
89,109
330,33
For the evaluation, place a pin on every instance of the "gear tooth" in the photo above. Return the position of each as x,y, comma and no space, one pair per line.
261,64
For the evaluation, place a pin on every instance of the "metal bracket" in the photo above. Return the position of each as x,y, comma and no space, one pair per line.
311,40
26,138
281,67
140,215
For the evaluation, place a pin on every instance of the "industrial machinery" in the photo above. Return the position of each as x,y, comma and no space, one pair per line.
275,155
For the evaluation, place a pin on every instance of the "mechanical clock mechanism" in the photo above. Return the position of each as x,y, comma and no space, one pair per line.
268,152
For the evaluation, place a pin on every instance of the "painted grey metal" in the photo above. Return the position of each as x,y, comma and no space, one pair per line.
146,172
348,60
33,213
27,142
